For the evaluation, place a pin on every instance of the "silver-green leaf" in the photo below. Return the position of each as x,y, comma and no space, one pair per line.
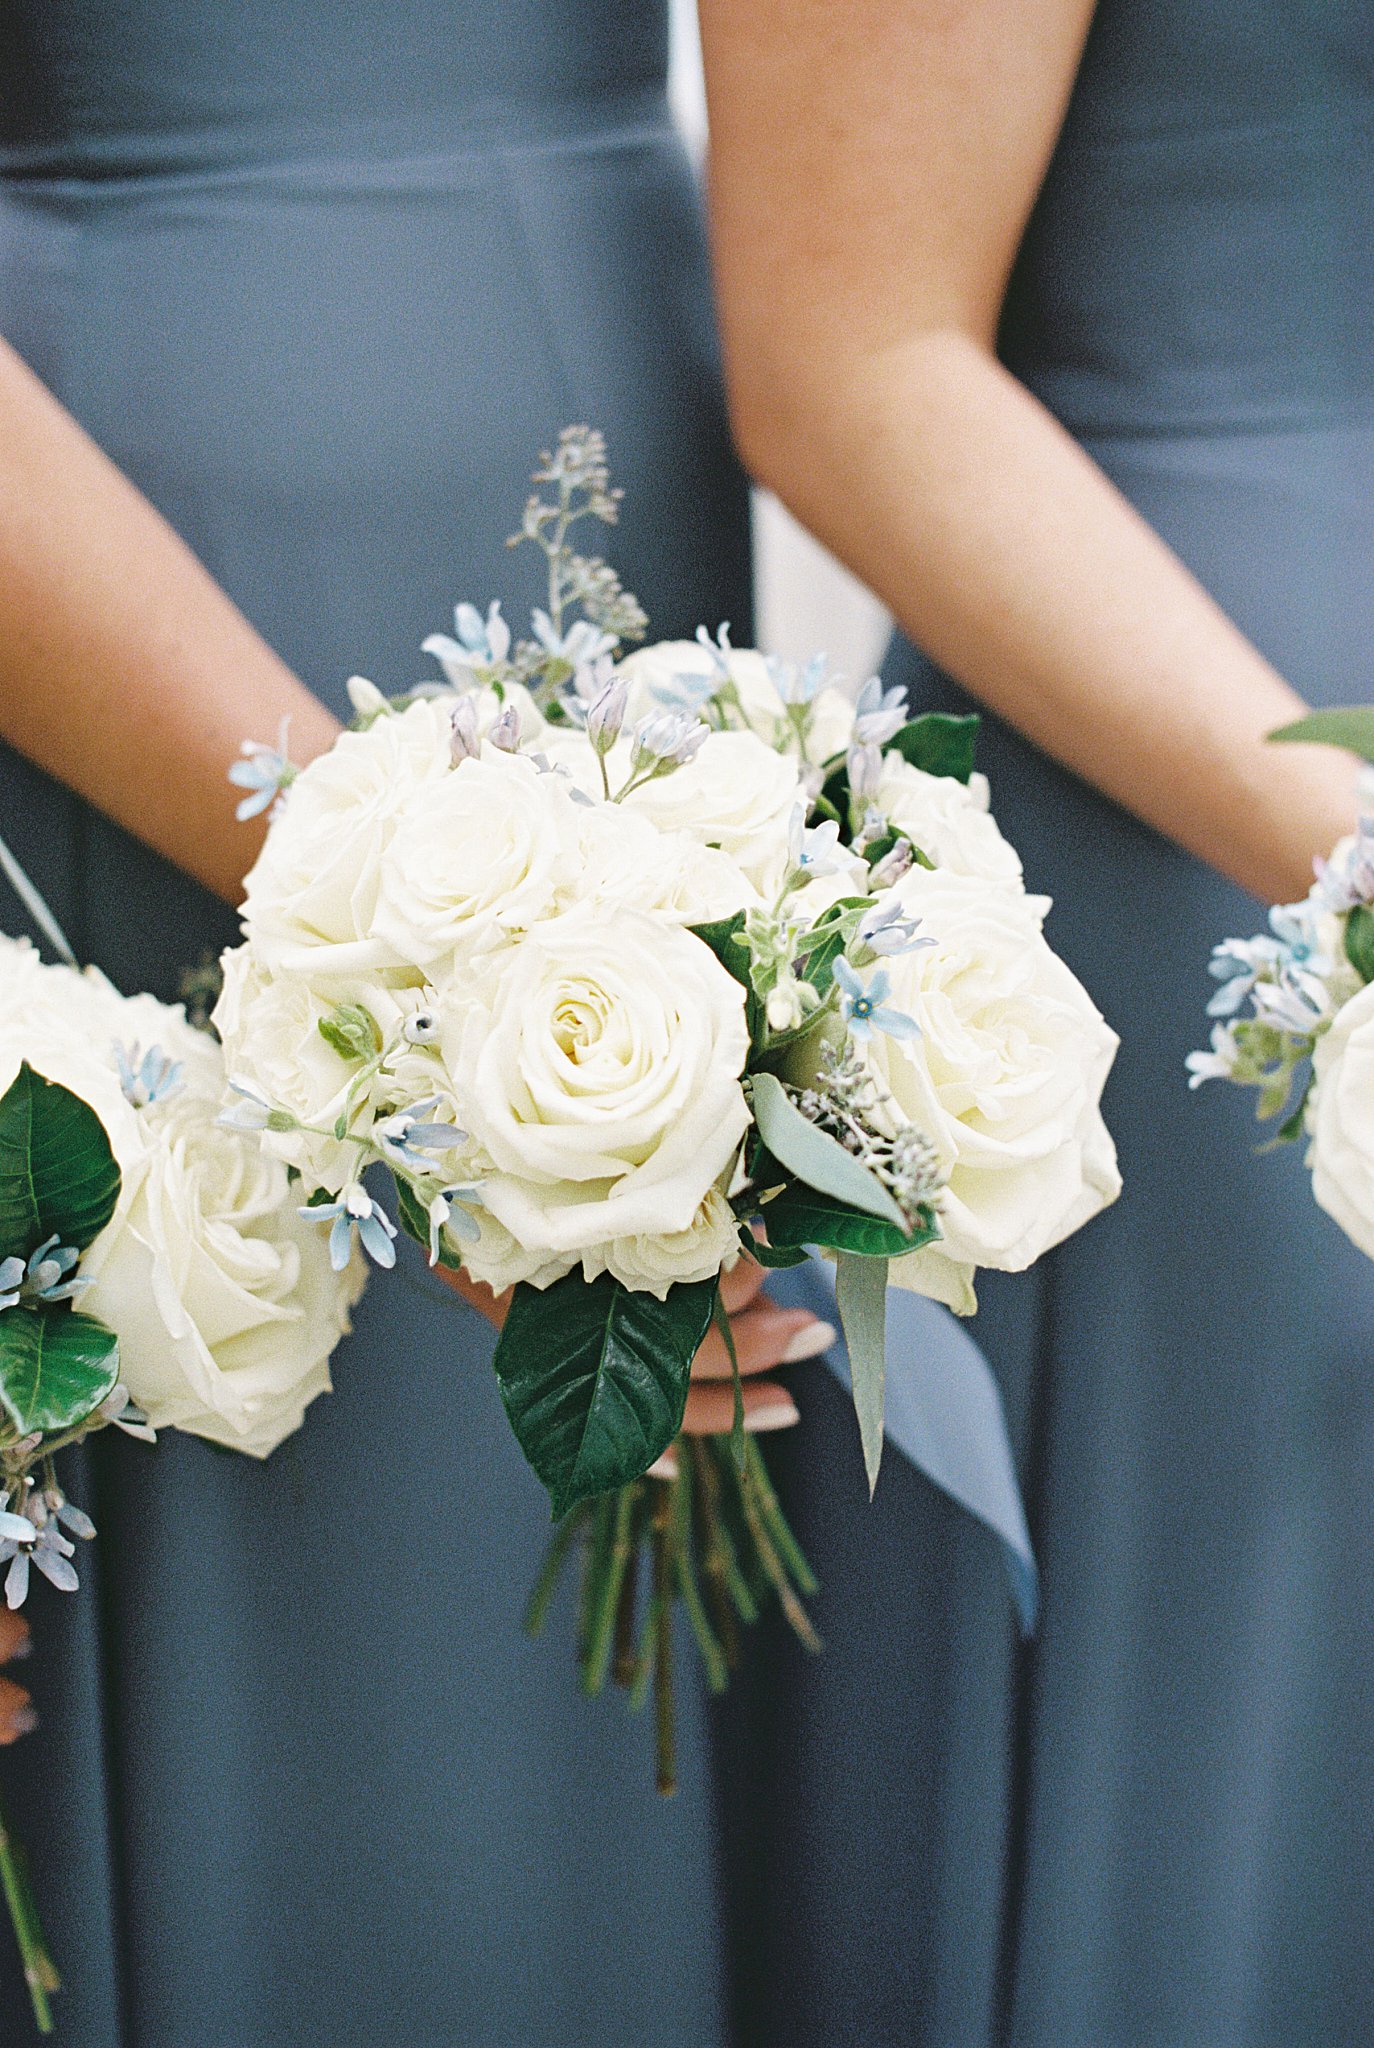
814,1156
861,1292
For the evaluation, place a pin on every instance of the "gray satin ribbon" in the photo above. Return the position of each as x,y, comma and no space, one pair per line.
944,1412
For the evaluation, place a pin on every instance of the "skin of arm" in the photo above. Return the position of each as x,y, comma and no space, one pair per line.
872,170
112,633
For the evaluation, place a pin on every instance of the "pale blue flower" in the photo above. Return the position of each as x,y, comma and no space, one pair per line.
42,1544
865,764
1297,1002
864,1007
1237,964
795,685
1220,1063
481,643
42,1277
667,738
405,1137
120,1411
879,714
580,646
606,714
146,1077
264,772
447,1212
887,929
253,1112
1294,925
813,850
355,1209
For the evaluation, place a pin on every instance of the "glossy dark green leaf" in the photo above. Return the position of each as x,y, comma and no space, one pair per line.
725,938
939,742
594,1378
1359,941
772,1255
801,1215
55,1367
1350,726
58,1176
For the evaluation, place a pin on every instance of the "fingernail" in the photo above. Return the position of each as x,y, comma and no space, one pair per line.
809,1342
775,1415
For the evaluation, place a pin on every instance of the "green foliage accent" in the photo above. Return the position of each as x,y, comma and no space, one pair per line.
414,1221
1350,726
58,1176
1359,941
56,1366
726,939
819,948
594,1378
814,1156
861,1293
771,1255
801,1216
352,1031
939,742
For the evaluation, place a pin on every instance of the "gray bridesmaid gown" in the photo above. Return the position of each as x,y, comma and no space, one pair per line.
1154,1828
322,278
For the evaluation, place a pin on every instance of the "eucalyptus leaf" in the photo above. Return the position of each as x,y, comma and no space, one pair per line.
594,1378
939,742
56,1367
1350,726
814,1156
861,1293
58,1176
1359,941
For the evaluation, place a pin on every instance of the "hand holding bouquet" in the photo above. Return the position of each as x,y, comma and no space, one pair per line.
623,968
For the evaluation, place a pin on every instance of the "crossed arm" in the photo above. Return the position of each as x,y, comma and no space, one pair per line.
873,166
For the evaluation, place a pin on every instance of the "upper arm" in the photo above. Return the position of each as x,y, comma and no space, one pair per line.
872,167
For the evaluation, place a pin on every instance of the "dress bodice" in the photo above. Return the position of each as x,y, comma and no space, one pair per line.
1202,254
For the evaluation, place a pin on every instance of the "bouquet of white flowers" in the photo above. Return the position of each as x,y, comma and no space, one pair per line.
155,1272
627,967
1295,1006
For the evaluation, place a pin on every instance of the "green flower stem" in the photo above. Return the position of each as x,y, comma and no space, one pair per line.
775,1521
665,1741
594,1564
623,1662
39,1973
721,1317
606,1600
775,1570
712,1656
645,1657
561,1542
726,1586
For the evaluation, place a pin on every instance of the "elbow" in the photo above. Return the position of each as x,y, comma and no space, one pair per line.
778,406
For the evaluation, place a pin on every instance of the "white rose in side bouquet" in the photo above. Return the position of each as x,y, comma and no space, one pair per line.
1341,1120
682,956
155,1271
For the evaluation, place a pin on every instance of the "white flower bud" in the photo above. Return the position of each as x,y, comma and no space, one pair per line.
366,699
865,771
505,732
606,715
784,1007
465,744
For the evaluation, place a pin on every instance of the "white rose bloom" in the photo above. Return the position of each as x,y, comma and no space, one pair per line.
832,724
736,794
1005,1080
480,854
222,1296
270,1028
500,1262
652,672
948,820
1340,1120
625,859
312,893
662,1259
600,1062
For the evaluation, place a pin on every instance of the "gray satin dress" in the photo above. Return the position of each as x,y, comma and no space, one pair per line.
1155,1828
323,278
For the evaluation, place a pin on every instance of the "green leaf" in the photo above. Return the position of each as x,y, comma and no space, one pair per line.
56,1366
1359,941
814,1156
58,1176
352,1031
800,1216
771,1255
594,1378
414,1220
939,742
820,947
726,939
1350,726
861,1293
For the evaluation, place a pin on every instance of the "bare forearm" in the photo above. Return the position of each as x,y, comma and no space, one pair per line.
124,670
1010,557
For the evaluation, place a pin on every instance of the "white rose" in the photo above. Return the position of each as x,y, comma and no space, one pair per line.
599,1062
653,674
1005,1080
500,1262
653,1263
948,820
736,794
311,896
1340,1120
481,853
832,725
625,859
222,1296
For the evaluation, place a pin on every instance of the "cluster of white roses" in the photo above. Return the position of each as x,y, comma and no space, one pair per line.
222,1297
1295,1011
467,952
